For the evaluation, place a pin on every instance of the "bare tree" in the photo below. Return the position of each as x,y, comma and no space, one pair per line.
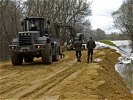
10,15
69,13
66,12
123,19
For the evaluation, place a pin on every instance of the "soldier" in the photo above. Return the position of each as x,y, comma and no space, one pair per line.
78,47
61,50
90,46
33,27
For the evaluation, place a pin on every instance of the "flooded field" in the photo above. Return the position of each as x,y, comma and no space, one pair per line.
125,70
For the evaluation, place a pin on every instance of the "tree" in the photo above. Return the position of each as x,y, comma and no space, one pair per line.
123,19
10,15
66,12
99,34
87,29
69,13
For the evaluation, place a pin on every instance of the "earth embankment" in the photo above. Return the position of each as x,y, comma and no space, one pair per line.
65,79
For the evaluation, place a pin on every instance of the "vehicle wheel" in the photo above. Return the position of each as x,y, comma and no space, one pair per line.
28,59
16,58
56,56
46,54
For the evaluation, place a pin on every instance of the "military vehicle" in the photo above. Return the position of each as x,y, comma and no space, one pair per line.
83,39
34,41
79,36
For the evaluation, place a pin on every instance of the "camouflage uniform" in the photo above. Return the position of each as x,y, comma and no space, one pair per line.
90,46
78,47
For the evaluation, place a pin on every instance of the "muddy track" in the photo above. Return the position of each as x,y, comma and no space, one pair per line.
51,82
33,81
64,79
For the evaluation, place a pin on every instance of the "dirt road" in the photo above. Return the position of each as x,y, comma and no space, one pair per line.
65,79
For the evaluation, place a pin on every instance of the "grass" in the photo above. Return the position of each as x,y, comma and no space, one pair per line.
108,42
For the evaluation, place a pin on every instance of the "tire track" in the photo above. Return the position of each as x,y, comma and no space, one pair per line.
55,82
9,92
48,83
13,88
52,82
20,73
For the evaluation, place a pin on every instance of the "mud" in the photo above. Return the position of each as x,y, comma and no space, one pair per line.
65,79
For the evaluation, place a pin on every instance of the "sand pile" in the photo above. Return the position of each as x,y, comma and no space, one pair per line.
97,81
65,79
114,87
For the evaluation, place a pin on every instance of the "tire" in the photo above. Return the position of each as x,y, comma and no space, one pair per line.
46,54
16,58
28,59
56,56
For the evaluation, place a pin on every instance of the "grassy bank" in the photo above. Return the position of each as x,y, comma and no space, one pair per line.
108,42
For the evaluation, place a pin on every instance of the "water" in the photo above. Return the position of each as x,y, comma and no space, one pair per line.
125,70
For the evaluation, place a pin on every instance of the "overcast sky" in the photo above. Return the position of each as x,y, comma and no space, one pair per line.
101,14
